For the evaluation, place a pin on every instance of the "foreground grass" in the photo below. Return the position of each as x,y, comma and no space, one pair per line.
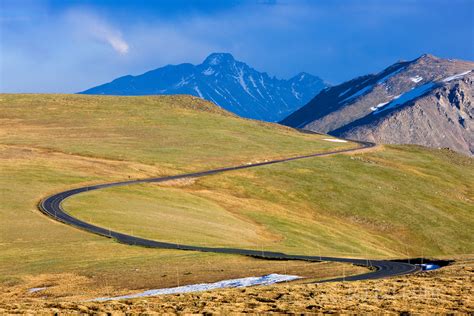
446,291
401,201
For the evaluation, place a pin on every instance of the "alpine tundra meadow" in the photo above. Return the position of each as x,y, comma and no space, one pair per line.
227,157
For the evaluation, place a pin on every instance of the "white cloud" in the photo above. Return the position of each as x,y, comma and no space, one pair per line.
117,43
99,29
75,48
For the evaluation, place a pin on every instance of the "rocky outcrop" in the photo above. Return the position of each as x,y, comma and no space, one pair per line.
427,101
443,118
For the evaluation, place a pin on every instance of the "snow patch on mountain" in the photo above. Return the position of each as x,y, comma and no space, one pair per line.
390,75
416,79
208,72
335,140
375,108
241,80
37,289
408,96
253,82
345,91
456,76
182,82
294,92
229,83
414,92
358,93
196,88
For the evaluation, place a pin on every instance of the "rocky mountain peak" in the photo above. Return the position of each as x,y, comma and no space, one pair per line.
302,76
219,59
407,102
229,83
428,57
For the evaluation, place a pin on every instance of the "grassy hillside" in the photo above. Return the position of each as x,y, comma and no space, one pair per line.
50,143
395,202
170,132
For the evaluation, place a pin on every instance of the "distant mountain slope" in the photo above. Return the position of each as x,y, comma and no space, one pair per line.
427,101
231,84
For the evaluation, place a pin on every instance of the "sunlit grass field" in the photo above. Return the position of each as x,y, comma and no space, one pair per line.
49,143
170,132
399,201
395,201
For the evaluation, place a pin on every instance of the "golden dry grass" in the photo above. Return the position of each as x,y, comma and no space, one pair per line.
445,291
174,132
72,287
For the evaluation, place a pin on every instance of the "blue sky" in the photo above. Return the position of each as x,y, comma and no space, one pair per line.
68,46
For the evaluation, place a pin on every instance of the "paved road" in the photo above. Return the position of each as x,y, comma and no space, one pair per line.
51,206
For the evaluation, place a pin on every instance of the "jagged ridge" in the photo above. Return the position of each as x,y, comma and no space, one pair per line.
409,102
231,84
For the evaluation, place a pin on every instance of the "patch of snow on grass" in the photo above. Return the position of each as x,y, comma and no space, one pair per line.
37,289
334,140
416,79
233,283
456,76
429,266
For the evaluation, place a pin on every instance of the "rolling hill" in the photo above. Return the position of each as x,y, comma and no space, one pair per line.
391,202
49,143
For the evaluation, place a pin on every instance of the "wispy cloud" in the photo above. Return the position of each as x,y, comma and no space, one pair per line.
69,47
98,28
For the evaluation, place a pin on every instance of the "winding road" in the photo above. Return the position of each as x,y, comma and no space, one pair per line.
51,206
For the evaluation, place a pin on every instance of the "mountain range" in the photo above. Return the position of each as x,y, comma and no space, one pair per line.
427,101
231,84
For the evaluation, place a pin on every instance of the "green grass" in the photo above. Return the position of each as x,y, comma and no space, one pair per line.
397,202
165,214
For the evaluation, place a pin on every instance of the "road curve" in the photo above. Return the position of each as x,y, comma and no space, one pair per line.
51,206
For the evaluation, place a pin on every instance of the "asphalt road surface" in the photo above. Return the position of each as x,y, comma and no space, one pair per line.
51,206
